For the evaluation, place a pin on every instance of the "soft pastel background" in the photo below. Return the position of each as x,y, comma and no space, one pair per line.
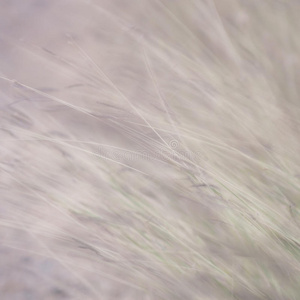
149,149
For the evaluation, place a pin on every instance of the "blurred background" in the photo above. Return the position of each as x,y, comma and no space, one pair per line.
149,149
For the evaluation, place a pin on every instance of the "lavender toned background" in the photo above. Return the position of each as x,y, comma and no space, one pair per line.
149,149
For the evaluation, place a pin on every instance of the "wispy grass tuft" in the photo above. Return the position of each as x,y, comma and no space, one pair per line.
150,150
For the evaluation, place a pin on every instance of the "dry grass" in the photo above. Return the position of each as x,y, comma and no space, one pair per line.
150,150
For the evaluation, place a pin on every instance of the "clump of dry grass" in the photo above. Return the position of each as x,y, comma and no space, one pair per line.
152,152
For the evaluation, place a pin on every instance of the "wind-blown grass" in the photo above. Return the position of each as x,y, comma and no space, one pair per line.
152,151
